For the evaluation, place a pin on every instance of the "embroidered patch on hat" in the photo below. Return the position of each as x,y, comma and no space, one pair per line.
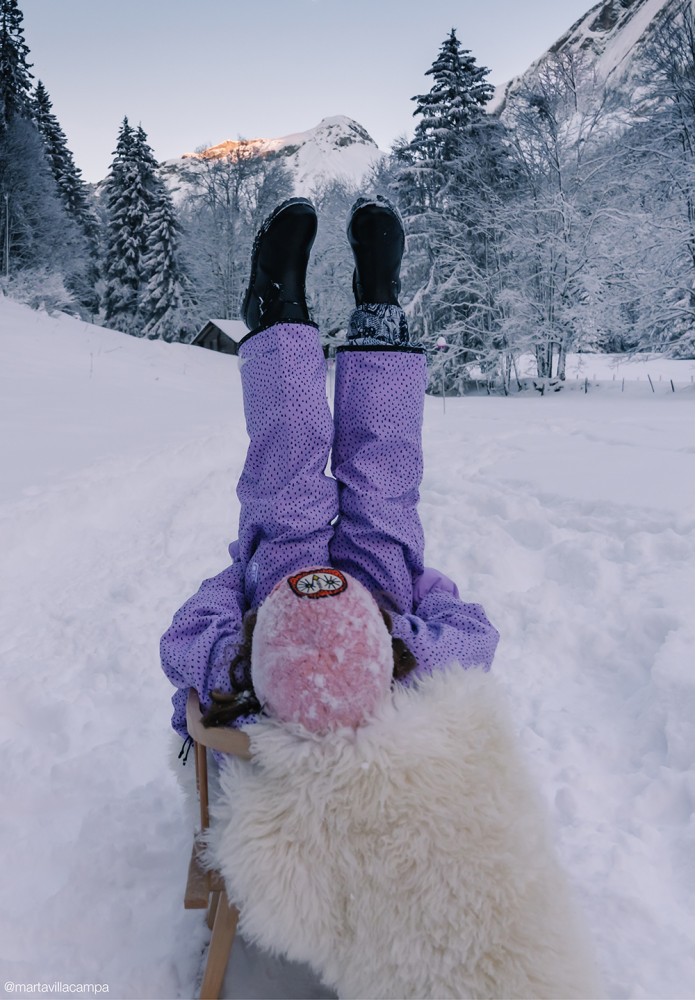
318,583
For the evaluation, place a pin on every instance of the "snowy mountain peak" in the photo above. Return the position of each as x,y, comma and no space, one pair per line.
337,147
610,32
609,37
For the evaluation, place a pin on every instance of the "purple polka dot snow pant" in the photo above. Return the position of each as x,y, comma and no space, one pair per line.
293,515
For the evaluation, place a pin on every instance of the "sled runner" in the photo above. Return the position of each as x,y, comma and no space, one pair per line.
206,889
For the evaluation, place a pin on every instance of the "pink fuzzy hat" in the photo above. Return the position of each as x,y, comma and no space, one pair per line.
321,654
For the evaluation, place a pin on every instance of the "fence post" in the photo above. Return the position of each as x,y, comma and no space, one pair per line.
672,384
651,383
585,385
441,345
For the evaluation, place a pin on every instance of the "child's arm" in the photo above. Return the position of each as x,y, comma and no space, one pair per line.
443,629
197,648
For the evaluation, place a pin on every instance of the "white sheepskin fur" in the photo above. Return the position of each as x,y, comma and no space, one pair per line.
409,858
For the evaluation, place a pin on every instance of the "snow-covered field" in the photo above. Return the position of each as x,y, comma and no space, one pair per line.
569,517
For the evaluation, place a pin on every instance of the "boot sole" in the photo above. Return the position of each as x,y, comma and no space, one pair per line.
374,230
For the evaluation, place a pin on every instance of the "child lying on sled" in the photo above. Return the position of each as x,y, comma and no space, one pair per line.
385,830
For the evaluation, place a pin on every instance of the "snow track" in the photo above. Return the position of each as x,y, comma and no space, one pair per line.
568,517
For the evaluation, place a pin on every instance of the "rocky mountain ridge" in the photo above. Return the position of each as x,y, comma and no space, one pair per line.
338,148
609,40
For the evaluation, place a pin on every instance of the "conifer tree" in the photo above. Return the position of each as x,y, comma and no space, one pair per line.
145,158
15,75
129,192
449,179
456,101
67,174
457,98
147,292
167,305
44,254
40,234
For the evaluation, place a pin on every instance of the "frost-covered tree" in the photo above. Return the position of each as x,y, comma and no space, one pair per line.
68,176
15,75
329,281
43,258
40,234
450,179
227,198
561,140
72,190
602,234
654,298
457,99
167,306
469,301
129,193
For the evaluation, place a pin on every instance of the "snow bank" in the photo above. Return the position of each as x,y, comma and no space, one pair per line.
569,517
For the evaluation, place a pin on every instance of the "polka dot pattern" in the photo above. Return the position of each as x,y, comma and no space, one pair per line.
378,463
287,501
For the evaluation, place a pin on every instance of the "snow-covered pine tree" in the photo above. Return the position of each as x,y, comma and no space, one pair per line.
42,247
15,75
74,195
167,305
457,98
449,180
469,298
68,176
41,237
123,239
129,194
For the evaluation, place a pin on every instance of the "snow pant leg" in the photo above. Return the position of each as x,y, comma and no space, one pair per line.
378,462
287,501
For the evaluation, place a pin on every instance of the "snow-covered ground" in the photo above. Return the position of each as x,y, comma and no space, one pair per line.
569,517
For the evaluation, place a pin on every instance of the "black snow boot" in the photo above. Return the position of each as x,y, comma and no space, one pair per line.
376,236
279,258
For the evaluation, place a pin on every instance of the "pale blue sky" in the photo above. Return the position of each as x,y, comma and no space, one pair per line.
196,72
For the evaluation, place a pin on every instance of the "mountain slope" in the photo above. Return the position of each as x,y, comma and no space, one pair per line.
336,148
610,39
